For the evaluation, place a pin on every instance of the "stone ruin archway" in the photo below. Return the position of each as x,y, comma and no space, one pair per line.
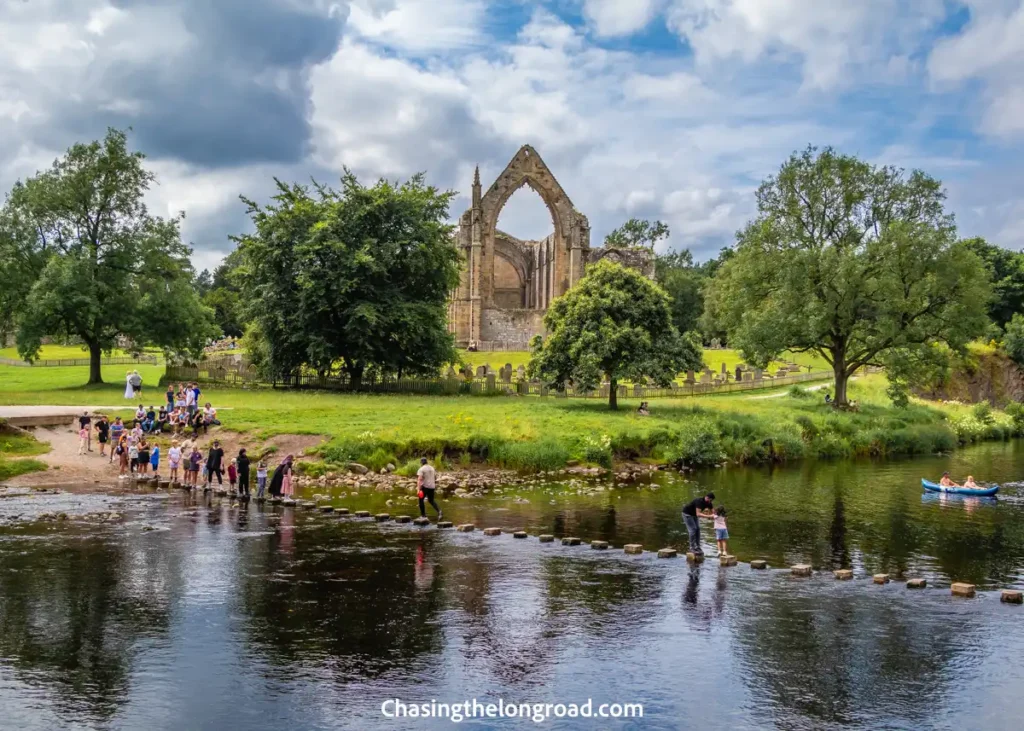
480,312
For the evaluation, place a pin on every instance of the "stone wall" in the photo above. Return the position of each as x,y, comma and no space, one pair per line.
640,259
511,325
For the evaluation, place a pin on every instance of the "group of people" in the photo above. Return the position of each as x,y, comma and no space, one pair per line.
946,481
135,454
703,507
189,465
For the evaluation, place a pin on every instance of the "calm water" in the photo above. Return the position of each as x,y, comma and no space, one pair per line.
267,619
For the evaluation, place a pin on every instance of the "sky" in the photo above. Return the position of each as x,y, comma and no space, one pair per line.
667,109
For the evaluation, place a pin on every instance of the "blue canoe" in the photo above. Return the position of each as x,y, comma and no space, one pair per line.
981,492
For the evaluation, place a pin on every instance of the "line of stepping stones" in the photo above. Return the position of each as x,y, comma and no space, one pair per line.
1009,596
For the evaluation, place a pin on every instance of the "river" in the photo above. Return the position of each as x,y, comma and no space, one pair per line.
192,614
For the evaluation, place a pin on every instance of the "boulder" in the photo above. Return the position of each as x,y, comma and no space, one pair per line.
358,468
964,590
633,549
667,553
1011,596
801,569
599,545
917,583
843,574
758,564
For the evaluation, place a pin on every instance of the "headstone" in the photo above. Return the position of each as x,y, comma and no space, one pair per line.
507,375
690,378
467,371
739,372
725,369
450,373
638,390
481,371
705,377
748,376
521,372
758,374
490,381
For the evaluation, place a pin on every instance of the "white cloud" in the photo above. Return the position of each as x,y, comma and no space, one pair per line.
419,25
620,17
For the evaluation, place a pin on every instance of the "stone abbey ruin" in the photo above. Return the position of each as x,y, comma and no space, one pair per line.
507,283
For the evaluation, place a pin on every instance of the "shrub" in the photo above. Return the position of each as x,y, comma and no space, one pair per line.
983,412
1015,411
378,459
534,456
699,444
808,429
311,469
597,449
1013,339
799,392
408,469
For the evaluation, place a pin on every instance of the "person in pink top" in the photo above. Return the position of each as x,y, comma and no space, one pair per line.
721,531
286,481
83,439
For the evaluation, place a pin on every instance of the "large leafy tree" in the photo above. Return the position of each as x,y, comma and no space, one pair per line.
223,296
356,278
614,324
1007,270
857,263
88,261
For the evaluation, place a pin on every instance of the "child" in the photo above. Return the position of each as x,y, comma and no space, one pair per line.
174,459
261,479
721,531
154,458
83,439
122,457
195,459
233,476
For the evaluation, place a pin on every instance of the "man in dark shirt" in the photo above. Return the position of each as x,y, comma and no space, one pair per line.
85,422
214,462
697,508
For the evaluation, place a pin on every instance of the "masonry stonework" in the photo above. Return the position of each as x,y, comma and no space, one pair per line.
507,283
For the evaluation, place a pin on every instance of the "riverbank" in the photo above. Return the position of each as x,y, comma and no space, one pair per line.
538,434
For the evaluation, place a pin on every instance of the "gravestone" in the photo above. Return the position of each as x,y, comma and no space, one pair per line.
521,372
638,390
725,369
490,381
748,376
467,371
690,378
758,374
506,373
481,371
739,372
705,377
450,373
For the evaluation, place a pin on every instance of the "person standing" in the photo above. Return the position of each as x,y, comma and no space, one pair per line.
174,459
277,479
286,481
154,459
116,432
215,464
261,479
195,458
425,485
136,382
83,439
85,422
129,392
170,396
103,433
242,463
699,507
233,475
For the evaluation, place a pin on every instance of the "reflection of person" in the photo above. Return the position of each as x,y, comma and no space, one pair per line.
698,507
425,486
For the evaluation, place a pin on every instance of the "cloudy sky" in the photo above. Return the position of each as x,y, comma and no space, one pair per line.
670,109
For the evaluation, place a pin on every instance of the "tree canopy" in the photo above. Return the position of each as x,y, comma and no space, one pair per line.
614,324
857,263
637,232
1007,271
355,279
83,258
684,282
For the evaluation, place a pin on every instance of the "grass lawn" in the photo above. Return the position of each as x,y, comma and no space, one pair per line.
55,352
14,448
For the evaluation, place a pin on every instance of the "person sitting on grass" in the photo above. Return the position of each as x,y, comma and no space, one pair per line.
161,419
140,415
644,409
181,423
210,416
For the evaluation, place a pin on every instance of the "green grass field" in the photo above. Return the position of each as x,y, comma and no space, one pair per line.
14,450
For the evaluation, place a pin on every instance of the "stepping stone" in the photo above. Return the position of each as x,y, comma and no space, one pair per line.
362,513
492,531
727,560
519,534
633,549
880,578
276,501
599,545
467,528
694,557
546,538
667,553
288,502
309,505
965,590
444,524
758,564
426,521
801,569
917,583
570,541
341,511
843,574
1010,596
403,519
381,517
326,508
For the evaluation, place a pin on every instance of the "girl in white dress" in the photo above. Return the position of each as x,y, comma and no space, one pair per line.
129,392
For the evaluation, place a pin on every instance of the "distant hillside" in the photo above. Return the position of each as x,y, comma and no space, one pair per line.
985,374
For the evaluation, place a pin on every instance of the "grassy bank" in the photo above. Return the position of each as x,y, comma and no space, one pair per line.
538,434
15,452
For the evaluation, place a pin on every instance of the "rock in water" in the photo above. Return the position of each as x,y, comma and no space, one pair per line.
964,590
667,553
917,584
843,574
758,564
599,545
801,569
633,549
570,541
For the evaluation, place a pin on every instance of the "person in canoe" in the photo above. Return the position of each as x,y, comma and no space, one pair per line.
969,482
946,482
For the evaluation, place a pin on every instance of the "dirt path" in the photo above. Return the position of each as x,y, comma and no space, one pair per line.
820,386
67,466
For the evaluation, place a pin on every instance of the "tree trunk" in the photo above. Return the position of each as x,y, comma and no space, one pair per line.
355,373
95,361
841,379
613,394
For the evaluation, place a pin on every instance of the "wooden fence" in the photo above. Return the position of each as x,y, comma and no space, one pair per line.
490,385
60,362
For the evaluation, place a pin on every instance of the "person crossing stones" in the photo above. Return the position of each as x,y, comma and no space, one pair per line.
425,487
699,507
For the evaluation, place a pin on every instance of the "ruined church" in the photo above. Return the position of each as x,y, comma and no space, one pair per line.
507,283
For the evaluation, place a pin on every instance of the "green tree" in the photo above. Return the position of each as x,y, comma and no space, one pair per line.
358,277
637,232
683,282
223,296
851,261
613,324
95,265
1013,339
1007,272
